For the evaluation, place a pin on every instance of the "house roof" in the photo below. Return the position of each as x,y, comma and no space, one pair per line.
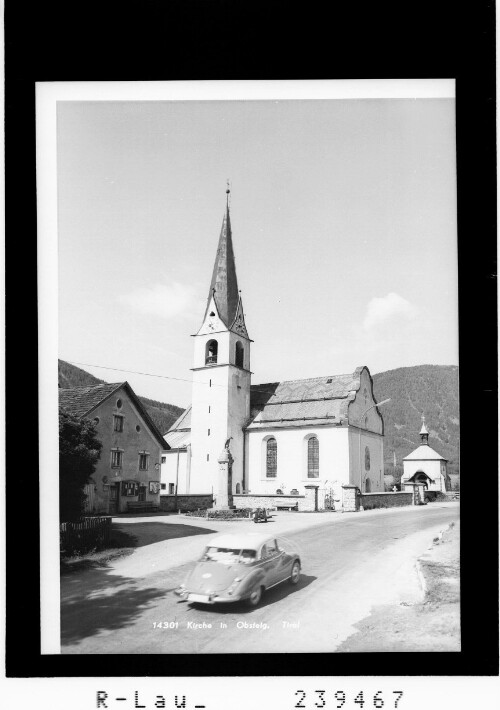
317,400
224,285
424,453
81,401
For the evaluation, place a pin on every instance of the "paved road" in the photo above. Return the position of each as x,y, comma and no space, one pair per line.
347,568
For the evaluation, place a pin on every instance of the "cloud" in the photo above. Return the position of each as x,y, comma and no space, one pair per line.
390,310
165,301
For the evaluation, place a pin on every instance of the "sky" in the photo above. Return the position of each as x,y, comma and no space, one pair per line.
343,217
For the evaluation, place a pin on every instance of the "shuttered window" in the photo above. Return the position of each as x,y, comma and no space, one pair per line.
271,458
313,458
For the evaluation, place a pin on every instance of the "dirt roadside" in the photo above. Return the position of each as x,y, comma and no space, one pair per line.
432,622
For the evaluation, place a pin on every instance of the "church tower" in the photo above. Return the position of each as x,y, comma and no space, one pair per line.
221,374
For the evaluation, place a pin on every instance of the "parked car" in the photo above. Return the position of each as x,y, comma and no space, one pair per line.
241,567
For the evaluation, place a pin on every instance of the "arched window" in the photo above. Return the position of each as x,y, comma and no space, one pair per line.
238,488
367,458
368,486
271,458
239,354
313,457
279,492
211,352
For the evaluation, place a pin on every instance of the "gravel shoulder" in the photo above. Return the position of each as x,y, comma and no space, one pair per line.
433,622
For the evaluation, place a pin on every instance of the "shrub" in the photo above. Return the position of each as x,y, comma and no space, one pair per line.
79,452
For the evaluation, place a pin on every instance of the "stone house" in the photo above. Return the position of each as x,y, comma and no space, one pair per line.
129,467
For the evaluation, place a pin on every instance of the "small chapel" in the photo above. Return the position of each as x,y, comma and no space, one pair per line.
425,466
283,437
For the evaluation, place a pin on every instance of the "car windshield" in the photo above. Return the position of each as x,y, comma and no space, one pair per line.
228,556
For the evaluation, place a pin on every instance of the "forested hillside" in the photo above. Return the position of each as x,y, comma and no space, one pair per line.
163,415
425,389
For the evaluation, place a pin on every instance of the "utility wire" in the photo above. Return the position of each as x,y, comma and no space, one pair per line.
149,374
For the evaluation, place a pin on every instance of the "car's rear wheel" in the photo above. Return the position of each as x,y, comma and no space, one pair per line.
255,597
295,575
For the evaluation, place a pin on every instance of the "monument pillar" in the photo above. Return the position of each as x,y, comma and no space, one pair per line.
224,498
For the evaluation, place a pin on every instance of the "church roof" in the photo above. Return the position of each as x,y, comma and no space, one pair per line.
314,401
317,400
224,285
424,453
179,434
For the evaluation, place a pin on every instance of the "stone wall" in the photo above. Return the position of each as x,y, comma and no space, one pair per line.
172,503
386,500
270,501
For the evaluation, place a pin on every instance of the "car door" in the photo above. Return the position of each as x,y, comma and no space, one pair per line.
283,562
271,558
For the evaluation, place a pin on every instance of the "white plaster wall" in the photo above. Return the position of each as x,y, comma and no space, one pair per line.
363,401
220,408
208,426
292,459
169,470
358,473
431,468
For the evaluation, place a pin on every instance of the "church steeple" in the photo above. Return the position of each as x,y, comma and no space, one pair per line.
221,374
224,285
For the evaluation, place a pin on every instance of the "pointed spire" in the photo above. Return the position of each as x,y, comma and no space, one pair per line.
224,285
424,432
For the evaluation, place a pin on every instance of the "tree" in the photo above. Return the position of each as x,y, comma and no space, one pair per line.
79,452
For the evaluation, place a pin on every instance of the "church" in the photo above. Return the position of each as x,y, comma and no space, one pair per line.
323,432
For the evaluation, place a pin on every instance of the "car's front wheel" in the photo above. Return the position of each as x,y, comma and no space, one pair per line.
255,597
295,575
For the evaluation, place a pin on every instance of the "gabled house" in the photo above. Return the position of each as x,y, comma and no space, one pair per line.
129,467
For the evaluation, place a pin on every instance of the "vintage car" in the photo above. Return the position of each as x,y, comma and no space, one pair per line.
240,567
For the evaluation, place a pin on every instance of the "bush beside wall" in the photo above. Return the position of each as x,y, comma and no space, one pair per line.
184,502
386,500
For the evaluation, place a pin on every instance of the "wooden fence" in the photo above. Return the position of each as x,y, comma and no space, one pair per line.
84,535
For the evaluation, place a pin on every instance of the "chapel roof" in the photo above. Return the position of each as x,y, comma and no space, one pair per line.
81,401
424,453
224,284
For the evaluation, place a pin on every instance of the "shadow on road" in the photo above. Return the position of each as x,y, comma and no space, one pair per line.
102,602
272,596
140,534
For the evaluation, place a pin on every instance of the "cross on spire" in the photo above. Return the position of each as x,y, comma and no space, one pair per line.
424,432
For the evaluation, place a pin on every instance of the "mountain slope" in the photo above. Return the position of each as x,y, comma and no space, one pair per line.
424,389
163,415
